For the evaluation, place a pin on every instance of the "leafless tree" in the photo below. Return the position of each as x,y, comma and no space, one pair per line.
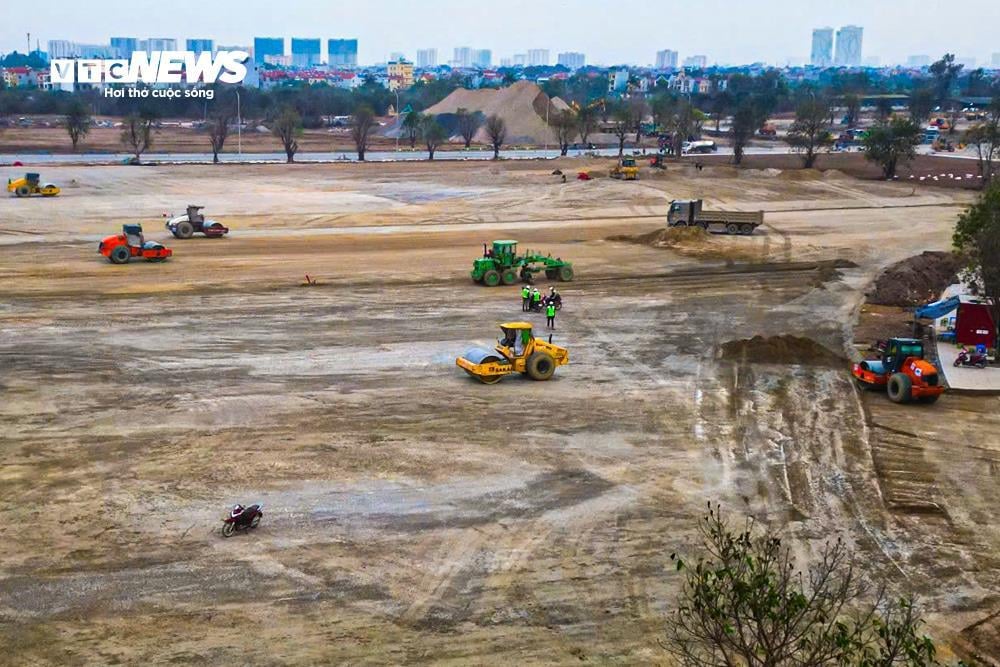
586,122
638,109
564,126
468,124
621,124
496,130
433,133
77,122
362,127
218,130
985,136
287,127
137,133
809,133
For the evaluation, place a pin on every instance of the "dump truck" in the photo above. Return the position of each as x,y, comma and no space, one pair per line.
31,185
517,351
690,213
902,372
626,169
500,263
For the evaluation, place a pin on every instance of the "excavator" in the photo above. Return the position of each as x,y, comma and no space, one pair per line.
517,351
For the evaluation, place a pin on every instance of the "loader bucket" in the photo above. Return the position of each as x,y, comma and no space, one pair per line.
487,366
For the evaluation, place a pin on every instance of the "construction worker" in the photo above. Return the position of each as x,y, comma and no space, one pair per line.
536,300
525,299
550,315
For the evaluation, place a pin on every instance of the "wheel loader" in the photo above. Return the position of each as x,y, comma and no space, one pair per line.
31,185
517,351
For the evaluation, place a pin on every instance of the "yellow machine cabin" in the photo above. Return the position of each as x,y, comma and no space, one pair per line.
517,351
30,185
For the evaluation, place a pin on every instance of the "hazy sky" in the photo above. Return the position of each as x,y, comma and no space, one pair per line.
608,32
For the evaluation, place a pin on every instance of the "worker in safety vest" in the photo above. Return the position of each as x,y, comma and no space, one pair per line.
550,315
525,298
536,300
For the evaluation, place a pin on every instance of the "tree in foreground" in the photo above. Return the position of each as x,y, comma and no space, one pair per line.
77,122
411,127
287,127
137,133
621,124
433,133
745,603
218,131
977,238
564,126
892,143
809,133
921,104
852,109
586,122
468,124
496,130
362,127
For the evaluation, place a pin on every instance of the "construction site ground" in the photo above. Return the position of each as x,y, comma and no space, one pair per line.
412,514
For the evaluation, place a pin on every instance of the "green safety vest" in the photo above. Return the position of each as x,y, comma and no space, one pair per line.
525,293
550,311
536,296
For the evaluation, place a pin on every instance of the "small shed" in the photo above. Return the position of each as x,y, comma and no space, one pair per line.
974,323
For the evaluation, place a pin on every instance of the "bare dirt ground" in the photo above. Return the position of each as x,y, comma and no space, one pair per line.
412,514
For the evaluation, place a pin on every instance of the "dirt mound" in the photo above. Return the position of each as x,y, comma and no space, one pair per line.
522,107
696,242
783,349
916,280
836,175
800,175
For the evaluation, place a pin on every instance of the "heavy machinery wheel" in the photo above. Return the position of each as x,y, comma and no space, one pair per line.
22,191
119,255
540,366
228,529
746,229
681,223
551,274
565,273
491,278
185,230
732,228
900,388
509,277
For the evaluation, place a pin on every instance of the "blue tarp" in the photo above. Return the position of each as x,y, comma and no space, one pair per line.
932,311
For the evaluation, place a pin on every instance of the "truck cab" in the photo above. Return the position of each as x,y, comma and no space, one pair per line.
683,212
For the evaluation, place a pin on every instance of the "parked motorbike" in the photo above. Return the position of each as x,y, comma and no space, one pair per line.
242,518
966,358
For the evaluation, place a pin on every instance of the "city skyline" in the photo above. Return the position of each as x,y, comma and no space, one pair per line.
891,34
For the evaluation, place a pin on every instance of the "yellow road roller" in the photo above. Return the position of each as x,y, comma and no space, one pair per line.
517,351
31,185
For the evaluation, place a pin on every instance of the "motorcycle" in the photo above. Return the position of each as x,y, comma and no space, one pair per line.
242,518
966,358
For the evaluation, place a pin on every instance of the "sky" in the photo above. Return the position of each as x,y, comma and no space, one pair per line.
608,32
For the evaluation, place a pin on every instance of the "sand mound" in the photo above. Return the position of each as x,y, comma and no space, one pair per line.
666,238
915,280
784,349
836,175
522,107
801,175
696,242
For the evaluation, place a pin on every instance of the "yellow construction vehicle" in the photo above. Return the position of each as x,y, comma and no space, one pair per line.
30,185
626,169
517,351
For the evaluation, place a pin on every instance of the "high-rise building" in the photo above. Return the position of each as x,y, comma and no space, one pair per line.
848,52
343,52
200,45
124,47
158,44
918,61
822,48
427,57
306,52
666,59
61,48
571,59
520,59
538,57
696,62
482,58
264,47
463,56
